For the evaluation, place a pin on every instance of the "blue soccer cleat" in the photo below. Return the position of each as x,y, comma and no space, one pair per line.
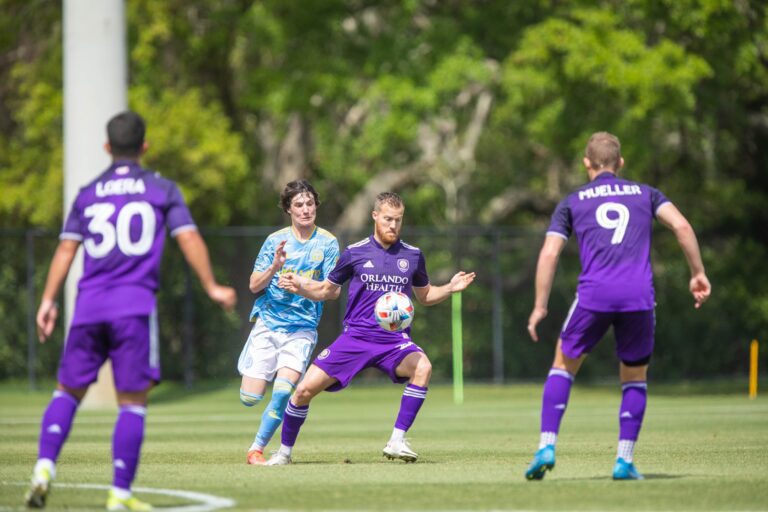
624,470
543,460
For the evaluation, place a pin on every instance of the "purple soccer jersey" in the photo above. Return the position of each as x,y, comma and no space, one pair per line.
613,219
375,271
120,218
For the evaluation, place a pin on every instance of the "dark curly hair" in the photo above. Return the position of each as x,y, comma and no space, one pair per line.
293,189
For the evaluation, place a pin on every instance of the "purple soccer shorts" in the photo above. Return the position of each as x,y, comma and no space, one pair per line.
634,332
131,343
349,355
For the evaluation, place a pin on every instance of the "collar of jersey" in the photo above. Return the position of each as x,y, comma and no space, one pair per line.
293,234
605,174
377,244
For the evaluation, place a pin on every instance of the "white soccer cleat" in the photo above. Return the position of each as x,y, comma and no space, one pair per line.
278,459
38,488
400,450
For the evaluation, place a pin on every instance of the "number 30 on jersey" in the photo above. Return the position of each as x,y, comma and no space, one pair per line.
119,233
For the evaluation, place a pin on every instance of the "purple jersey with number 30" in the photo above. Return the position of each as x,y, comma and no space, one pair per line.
375,271
613,219
120,218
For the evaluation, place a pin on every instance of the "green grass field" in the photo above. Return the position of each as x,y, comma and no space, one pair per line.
699,449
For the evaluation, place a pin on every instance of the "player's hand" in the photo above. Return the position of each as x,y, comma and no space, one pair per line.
224,296
537,315
700,289
289,282
47,314
461,280
280,256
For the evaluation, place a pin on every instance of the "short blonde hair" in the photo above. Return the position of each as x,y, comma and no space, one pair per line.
603,150
390,198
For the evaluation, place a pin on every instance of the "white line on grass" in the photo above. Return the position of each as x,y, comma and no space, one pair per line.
206,502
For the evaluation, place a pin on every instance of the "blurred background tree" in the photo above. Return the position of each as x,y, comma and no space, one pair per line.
477,112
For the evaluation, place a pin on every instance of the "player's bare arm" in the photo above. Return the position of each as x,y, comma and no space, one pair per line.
260,280
699,284
48,311
545,275
196,253
430,295
309,288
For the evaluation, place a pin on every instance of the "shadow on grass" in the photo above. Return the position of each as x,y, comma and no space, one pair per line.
652,476
662,476
175,391
350,462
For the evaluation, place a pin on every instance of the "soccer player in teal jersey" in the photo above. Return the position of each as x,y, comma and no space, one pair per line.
284,332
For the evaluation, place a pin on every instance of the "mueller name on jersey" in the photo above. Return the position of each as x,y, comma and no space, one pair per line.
384,282
609,191
120,187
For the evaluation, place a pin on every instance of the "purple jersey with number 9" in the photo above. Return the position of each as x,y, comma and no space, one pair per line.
120,218
612,219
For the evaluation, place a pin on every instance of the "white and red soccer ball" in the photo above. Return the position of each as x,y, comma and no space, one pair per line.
394,311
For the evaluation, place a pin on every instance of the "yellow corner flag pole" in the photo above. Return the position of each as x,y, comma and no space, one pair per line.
458,351
753,369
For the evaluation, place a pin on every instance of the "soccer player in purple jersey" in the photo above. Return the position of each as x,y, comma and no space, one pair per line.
374,266
120,219
612,219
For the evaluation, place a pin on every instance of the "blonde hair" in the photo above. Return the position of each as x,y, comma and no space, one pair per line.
390,198
603,150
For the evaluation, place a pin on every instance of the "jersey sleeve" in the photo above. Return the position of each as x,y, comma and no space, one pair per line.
657,200
266,255
178,217
73,226
420,277
343,270
331,258
561,224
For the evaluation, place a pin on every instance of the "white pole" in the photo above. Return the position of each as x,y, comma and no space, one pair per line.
95,84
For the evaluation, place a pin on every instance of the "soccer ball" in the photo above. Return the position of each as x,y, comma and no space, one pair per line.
394,311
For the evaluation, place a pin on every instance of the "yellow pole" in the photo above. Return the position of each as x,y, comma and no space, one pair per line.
753,370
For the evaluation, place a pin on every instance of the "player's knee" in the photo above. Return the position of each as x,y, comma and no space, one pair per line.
76,394
302,396
249,399
423,370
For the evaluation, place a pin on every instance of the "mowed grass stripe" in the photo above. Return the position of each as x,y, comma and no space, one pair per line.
699,452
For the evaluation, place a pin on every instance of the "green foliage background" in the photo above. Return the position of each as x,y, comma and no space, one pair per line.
241,95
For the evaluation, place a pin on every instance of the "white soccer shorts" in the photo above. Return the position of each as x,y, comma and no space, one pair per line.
267,351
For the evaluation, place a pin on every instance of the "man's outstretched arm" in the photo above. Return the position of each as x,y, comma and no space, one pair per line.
309,288
545,275
430,295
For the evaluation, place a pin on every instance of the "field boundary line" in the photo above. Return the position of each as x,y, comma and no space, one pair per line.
206,502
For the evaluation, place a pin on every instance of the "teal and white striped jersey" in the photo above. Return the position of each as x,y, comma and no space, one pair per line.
284,311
